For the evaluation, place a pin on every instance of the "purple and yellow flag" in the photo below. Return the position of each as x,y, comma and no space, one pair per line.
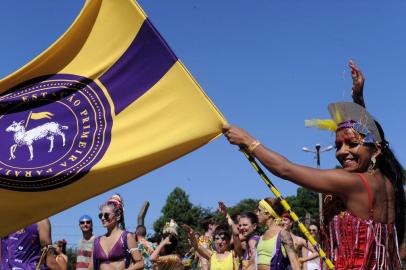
107,102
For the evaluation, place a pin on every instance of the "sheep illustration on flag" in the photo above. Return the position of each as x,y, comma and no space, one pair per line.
22,136
108,102
27,137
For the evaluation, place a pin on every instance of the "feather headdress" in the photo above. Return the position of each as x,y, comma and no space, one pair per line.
170,227
349,115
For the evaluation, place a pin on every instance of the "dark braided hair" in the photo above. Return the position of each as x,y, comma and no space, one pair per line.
393,170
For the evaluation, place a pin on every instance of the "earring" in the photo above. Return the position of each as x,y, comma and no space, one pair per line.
373,163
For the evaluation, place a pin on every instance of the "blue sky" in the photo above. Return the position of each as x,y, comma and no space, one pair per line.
268,65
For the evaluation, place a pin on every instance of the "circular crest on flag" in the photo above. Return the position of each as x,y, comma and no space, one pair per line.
53,130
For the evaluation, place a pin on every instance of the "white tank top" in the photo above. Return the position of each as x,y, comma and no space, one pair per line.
313,264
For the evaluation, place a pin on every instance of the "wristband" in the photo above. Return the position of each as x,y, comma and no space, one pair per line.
253,145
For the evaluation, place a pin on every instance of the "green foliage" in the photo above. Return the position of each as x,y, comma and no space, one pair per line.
305,201
179,208
404,177
71,253
244,205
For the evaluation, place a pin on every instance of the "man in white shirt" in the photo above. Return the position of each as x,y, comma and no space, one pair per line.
85,246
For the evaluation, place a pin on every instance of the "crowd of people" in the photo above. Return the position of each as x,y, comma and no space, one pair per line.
364,231
237,244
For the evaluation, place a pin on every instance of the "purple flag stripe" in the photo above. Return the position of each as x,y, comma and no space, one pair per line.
144,63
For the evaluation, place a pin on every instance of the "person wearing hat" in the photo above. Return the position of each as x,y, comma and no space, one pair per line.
165,256
85,246
366,233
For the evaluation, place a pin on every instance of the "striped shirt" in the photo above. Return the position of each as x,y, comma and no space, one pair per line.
84,256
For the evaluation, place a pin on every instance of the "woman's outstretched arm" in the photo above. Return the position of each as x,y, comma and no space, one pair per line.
205,253
155,255
337,181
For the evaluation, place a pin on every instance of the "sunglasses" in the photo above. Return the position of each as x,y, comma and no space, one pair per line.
220,237
85,222
106,216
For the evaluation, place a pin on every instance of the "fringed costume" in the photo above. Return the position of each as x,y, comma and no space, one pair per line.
355,243
363,244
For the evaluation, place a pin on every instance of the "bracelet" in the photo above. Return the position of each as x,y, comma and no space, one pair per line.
131,250
253,145
49,247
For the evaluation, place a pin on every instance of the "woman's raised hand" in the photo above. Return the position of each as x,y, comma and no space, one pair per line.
166,241
357,81
237,136
188,229
222,208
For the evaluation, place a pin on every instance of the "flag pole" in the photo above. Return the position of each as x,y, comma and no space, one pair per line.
28,119
286,206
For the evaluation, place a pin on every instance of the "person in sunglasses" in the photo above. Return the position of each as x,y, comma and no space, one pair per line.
246,231
312,261
117,248
85,246
224,258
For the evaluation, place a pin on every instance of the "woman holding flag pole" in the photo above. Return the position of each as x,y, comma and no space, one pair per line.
364,235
